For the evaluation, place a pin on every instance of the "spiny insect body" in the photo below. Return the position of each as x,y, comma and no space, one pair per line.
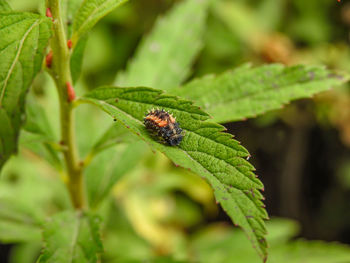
163,124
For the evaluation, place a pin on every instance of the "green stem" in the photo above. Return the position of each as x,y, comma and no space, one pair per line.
61,73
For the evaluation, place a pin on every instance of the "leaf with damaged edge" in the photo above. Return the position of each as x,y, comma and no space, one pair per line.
21,58
205,149
247,92
89,13
71,237
164,58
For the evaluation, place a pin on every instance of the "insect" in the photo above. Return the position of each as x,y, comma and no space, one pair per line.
164,125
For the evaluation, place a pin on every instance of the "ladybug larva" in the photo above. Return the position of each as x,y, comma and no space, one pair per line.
164,125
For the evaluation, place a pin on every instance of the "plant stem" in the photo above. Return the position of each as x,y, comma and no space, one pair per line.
61,74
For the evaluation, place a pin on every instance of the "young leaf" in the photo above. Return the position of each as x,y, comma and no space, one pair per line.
117,133
71,237
108,167
89,13
69,8
205,149
38,145
247,92
4,6
37,134
23,38
164,58
37,121
76,59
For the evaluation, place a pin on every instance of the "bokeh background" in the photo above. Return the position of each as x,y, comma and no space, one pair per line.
301,152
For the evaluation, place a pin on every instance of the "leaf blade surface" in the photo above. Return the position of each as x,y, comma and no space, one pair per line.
71,237
23,38
246,92
205,149
164,57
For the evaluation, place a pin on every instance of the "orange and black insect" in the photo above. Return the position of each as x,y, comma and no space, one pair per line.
164,125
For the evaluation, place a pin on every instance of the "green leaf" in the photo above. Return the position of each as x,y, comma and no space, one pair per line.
20,217
69,8
89,13
167,260
221,244
270,14
240,19
18,223
49,151
23,38
108,167
205,149
115,134
71,237
119,235
25,252
4,6
247,92
76,60
164,58
37,121
27,190
37,134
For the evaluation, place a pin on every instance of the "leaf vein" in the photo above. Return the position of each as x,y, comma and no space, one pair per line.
16,60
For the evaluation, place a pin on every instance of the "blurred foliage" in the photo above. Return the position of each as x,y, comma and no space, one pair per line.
157,211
